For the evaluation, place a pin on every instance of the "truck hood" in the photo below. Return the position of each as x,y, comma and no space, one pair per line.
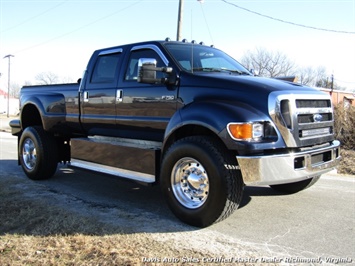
244,82
244,89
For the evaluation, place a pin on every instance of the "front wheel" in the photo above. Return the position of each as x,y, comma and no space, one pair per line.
200,181
295,187
38,153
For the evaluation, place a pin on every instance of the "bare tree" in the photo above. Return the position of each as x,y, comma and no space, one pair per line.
326,82
15,90
312,76
46,78
268,63
306,76
67,79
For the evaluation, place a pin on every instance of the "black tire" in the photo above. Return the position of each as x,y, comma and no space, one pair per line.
201,161
292,188
38,153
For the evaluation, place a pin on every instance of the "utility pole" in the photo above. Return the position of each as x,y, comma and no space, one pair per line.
8,85
179,22
332,85
180,16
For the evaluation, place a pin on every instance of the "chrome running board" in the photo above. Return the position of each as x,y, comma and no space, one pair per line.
132,175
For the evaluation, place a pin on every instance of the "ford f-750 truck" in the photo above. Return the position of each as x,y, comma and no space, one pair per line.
182,115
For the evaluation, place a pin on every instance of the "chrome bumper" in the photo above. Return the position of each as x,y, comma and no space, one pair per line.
289,168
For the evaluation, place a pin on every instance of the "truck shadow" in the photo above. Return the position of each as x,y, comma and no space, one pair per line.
254,191
76,201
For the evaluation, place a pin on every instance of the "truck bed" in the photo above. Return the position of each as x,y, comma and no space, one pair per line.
54,87
57,104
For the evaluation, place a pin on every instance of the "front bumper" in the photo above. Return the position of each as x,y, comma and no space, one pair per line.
289,168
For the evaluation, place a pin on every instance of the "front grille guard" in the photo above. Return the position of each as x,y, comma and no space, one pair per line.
284,113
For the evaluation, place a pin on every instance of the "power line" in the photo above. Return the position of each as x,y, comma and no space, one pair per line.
80,28
285,21
33,17
204,16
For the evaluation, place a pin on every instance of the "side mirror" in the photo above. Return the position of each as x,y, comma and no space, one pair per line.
253,72
147,72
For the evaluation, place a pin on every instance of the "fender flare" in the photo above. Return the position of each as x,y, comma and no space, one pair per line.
51,108
214,116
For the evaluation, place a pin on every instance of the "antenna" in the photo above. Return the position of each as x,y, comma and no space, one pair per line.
192,47
204,16
192,57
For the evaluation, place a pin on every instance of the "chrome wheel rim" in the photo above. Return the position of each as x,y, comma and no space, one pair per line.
29,154
190,184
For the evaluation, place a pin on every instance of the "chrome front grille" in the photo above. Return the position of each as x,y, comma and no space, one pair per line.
313,103
302,119
311,118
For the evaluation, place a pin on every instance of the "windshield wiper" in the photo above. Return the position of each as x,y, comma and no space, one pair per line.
207,69
236,71
214,69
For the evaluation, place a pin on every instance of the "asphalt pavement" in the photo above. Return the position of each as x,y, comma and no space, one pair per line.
315,226
4,122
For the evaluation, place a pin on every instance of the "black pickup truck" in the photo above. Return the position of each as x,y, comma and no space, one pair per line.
183,115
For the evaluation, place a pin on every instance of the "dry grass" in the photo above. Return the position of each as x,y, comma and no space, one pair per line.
33,233
344,126
345,133
347,163
69,250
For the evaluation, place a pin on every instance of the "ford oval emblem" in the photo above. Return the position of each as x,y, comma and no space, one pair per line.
317,118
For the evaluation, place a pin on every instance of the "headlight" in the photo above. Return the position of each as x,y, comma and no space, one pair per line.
246,131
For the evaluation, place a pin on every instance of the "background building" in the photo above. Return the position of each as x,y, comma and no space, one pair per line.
13,104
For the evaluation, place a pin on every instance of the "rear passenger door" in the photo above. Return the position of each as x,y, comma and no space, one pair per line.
98,99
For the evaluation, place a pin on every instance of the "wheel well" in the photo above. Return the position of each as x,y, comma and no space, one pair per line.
186,131
190,130
30,116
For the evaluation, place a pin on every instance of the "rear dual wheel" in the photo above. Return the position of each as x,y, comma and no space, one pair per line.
38,153
200,181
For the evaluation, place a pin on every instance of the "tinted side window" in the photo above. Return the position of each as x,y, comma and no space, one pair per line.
132,68
105,69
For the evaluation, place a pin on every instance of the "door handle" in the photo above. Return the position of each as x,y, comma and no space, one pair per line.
86,96
119,95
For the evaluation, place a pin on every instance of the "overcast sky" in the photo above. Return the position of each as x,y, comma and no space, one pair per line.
60,36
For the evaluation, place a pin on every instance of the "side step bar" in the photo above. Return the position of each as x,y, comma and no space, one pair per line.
132,175
131,159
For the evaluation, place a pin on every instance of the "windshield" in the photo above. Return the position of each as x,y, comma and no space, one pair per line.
195,57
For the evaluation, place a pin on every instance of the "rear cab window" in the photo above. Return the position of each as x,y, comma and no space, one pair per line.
106,68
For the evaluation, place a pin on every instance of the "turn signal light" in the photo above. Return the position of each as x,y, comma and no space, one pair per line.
246,131
240,131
